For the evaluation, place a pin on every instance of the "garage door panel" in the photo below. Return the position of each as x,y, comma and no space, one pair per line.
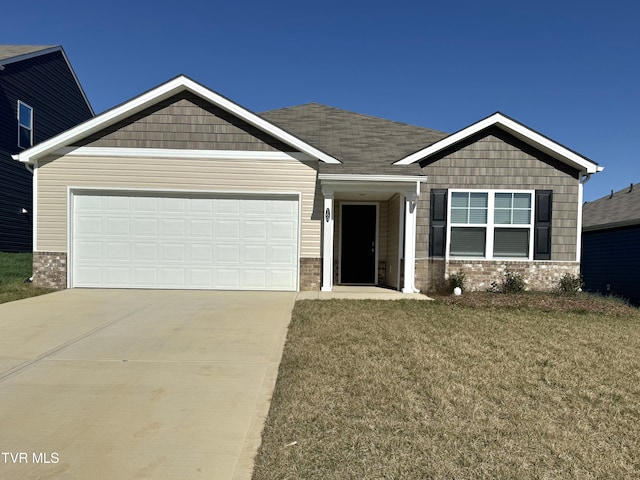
254,229
88,250
173,252
118,251
115,226
202,253
201,228
227,254
151,241
88,225
115,276
283,254
283,230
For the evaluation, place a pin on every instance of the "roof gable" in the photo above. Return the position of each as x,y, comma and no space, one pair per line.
159,94
184,122
18,53
514,128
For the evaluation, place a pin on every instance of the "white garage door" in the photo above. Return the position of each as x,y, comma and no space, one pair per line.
190,242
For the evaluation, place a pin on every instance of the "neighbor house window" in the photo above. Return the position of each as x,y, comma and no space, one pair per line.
491,224
25,125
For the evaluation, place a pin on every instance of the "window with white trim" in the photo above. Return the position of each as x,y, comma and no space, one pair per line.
25,125
491,224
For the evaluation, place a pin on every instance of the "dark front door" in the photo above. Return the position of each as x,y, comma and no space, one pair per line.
358,256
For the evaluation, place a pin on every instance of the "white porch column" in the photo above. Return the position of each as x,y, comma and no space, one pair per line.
410,202
327,241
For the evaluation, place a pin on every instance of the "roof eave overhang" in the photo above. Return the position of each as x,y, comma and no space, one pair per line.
516,129
612,225
380,183
158,94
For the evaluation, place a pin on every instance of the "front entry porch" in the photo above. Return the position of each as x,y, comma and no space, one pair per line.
369,231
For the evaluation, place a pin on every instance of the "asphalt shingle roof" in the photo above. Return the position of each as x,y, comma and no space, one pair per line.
364,144
10,51
621,208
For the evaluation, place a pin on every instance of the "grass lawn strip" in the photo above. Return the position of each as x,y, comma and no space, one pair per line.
15,268
408,389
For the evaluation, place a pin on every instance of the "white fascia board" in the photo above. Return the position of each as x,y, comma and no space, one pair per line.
518,130
164,91
376,183
337,177
260,122
179,153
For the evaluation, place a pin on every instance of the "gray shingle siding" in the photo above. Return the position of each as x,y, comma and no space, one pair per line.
185,121
494,159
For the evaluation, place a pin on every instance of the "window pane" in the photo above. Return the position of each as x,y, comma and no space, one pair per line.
459,200
521,200
24,115
478,200
510,242
24,139
468,242
477,215
503,200
521,217
502,217
459,215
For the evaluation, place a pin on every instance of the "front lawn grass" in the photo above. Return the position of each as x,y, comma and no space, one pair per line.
15,268
481,386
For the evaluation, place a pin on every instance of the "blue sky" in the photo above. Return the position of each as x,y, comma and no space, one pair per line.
568,69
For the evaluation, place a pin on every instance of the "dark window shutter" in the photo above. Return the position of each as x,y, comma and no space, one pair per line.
438,223
542,226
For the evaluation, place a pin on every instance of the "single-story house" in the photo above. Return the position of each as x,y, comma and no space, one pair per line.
181,187
611,244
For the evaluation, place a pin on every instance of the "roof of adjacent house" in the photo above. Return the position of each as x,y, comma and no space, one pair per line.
364,144
619,209
12,51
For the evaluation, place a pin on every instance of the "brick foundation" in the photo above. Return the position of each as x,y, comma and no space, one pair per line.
539,275
310,273
50,269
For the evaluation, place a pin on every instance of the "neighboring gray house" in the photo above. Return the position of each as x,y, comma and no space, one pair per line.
611,244
182,188
40,96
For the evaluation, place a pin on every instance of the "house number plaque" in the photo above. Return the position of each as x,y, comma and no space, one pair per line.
327,214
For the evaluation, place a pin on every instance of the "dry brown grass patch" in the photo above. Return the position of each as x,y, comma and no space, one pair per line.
446,389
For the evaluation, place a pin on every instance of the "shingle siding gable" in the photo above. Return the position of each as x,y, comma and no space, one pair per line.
494,159
185,121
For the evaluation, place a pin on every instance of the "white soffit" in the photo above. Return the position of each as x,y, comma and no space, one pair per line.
517,130
162,92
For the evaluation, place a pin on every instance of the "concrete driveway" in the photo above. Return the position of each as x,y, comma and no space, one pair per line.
127,384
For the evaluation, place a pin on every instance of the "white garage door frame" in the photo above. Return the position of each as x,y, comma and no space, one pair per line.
73,191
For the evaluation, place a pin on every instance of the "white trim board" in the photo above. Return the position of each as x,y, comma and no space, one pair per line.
158,94
180,153
516,129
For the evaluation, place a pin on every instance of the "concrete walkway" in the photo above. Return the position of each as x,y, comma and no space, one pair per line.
124,384
360,293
